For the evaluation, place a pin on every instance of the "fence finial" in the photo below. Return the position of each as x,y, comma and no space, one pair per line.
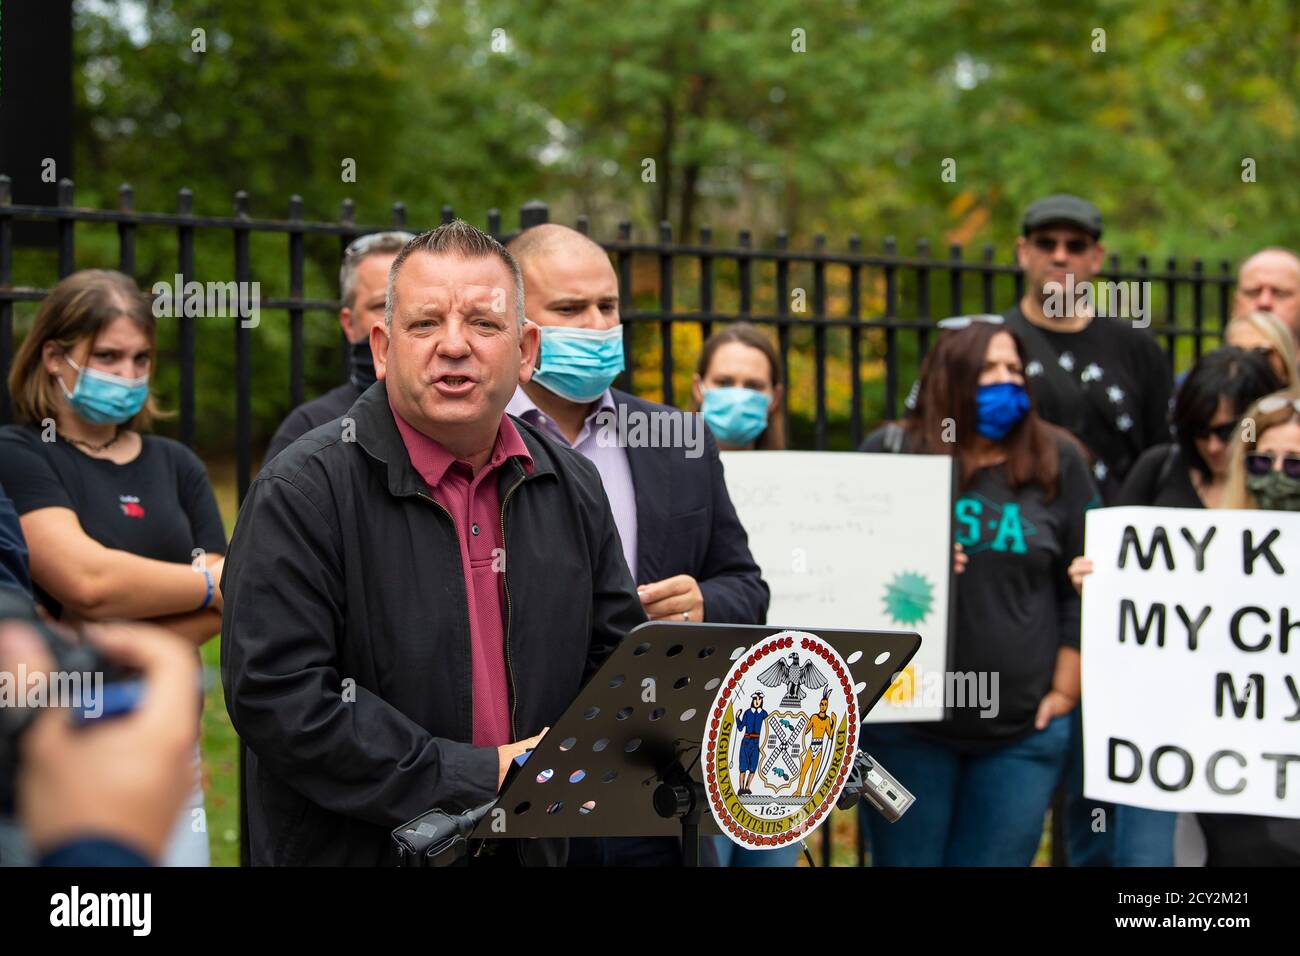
533,213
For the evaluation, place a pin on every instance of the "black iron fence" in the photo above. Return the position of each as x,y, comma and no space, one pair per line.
866,315
863,317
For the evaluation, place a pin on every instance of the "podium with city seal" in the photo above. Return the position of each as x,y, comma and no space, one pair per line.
687,729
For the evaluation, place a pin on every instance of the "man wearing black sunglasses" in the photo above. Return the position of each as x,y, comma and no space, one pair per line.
1099,377
1102,379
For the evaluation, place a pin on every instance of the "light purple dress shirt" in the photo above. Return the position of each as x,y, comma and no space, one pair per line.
610,460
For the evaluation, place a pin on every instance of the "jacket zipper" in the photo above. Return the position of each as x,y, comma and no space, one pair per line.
439,506
505,583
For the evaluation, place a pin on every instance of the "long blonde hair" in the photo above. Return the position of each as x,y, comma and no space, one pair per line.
1279,338
1253,425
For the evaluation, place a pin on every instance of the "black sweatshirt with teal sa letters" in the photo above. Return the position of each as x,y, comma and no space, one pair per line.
1015,604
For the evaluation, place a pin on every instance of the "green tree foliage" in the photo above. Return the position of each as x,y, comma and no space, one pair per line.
279,99
815,116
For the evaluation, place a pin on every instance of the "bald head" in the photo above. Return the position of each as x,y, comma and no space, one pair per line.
568,279
549,240
1269,281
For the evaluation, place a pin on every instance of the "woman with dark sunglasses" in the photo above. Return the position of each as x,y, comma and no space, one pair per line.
1265,471
1189,472
1264,474
1192,471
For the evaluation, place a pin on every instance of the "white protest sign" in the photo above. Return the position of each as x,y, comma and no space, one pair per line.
1191,660
856,541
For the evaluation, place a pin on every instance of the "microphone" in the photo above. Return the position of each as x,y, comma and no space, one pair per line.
437,838
870,781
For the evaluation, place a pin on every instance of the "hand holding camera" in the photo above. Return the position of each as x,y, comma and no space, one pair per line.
123,779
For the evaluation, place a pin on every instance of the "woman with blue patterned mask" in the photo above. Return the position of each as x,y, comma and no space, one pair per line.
1022,488
738,390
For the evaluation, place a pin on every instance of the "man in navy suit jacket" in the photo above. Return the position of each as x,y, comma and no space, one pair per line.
660,467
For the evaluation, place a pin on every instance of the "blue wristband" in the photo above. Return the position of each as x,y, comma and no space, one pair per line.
207,598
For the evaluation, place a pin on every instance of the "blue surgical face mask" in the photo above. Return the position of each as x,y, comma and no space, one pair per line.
104,399
1000,408
579,364
736,416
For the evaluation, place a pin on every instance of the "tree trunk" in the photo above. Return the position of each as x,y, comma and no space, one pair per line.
664,163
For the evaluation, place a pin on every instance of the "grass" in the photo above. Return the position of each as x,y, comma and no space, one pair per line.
220,766
220,744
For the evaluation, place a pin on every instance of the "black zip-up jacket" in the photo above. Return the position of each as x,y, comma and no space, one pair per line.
345,648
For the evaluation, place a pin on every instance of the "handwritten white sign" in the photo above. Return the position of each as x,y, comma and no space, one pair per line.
856,541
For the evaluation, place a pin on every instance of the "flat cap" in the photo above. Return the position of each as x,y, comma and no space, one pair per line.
1063,208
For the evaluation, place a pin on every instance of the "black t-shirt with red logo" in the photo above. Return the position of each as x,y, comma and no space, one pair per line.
159,505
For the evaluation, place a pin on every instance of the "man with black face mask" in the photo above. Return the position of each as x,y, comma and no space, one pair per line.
363,282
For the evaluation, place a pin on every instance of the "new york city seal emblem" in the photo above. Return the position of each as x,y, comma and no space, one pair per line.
781,737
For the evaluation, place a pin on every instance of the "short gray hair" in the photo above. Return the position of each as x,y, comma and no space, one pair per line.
371,244
455,238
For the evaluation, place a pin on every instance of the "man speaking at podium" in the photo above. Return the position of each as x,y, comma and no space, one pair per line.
416,591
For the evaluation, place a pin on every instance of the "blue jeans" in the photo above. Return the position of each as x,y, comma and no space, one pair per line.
971,809
1129,836
1143,837
731,853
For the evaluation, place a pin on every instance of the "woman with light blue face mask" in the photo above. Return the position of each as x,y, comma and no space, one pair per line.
738,389
119,523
